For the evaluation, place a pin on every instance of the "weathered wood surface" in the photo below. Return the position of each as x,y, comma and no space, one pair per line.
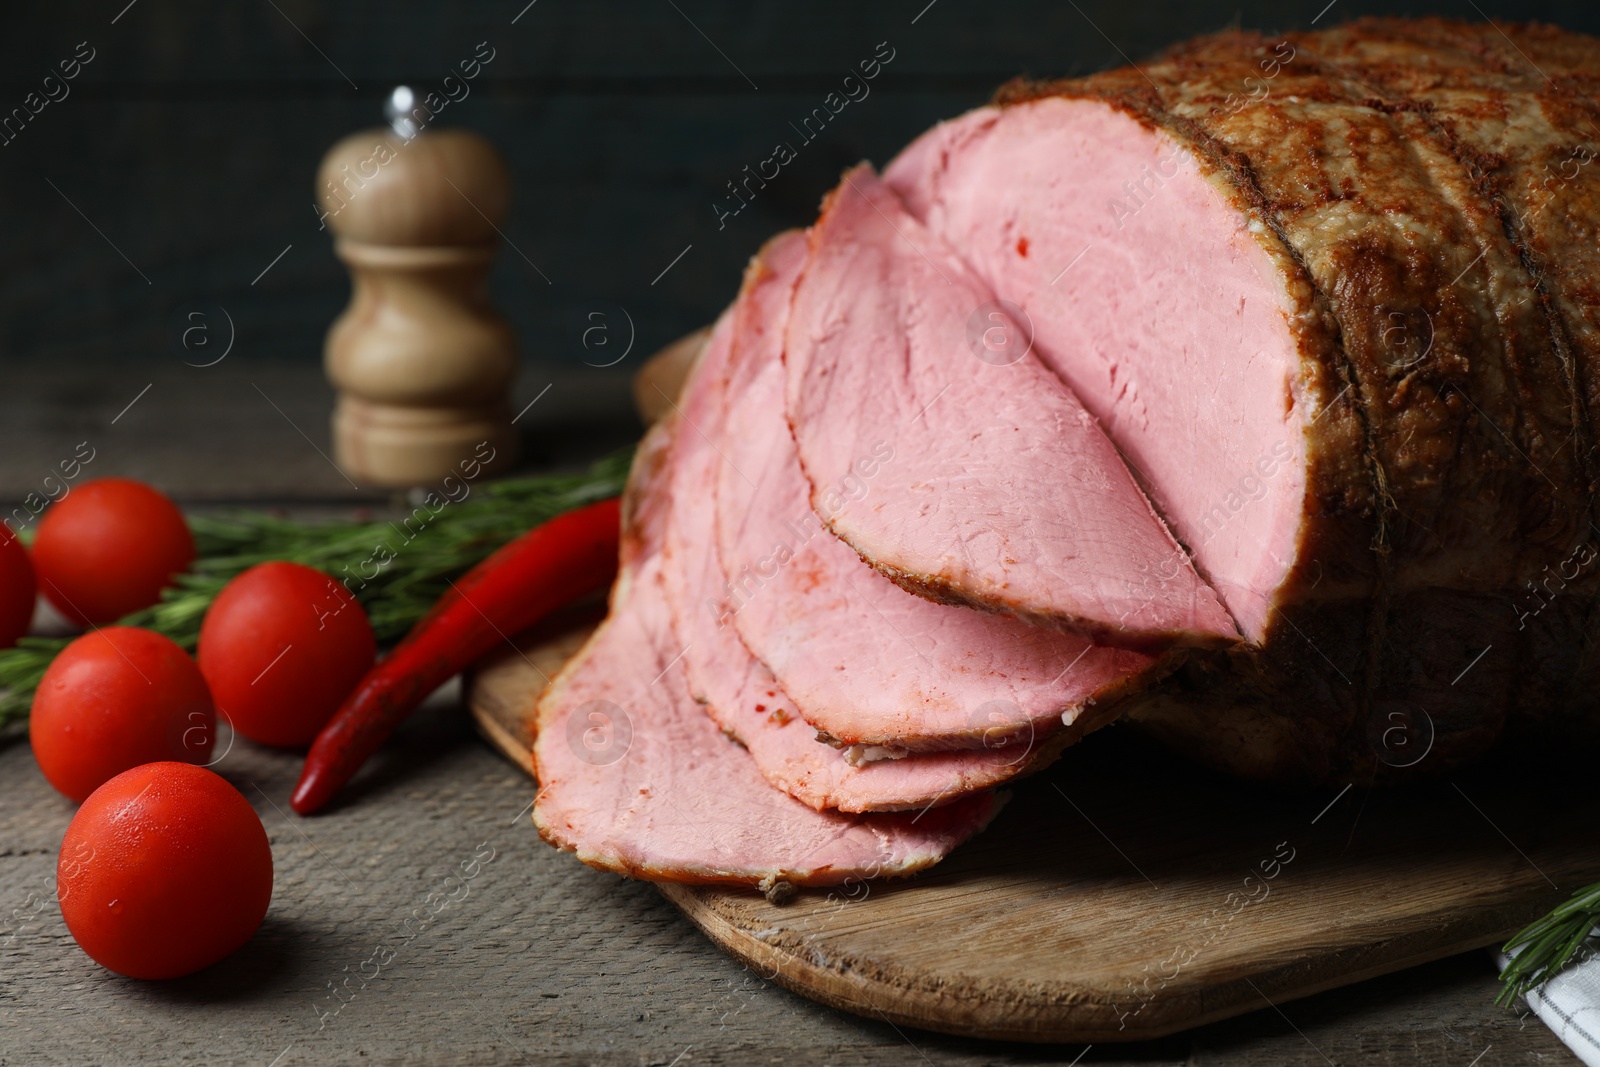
251,429
1124,895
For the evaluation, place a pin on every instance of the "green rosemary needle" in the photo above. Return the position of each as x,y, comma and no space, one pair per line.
1549,945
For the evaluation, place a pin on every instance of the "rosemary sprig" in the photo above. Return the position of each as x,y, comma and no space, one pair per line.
1549,945
428,548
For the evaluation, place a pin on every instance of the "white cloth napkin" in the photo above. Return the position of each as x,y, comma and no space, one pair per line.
1570,1004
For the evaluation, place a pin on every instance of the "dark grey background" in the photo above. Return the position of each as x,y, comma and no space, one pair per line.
192,138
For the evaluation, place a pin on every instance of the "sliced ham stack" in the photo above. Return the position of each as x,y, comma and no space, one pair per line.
635,778
1250,395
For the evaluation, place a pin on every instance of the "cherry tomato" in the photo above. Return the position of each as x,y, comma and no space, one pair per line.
166,869
114,699
17,588
281,646
108,548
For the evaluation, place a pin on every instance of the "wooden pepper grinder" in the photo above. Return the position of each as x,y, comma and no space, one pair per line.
422,361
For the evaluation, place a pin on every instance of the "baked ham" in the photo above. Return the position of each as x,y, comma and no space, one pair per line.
1285,453
1333,296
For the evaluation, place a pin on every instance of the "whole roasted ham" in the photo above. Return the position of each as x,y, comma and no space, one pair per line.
1249,394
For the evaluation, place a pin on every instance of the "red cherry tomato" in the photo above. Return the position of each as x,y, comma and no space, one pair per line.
281,646
114,699
17,589
108,548
165,870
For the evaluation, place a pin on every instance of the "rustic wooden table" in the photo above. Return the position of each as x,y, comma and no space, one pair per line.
543,960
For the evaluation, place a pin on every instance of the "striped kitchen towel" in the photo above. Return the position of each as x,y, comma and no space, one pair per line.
1570,1003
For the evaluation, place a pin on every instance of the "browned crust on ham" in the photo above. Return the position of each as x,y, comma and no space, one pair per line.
1515,105
1439,482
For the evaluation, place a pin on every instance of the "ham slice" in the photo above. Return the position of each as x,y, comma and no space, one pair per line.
1003,494
738,691
866,662
635,778
1191,375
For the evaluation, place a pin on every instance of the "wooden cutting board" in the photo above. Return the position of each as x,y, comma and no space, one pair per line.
1122,895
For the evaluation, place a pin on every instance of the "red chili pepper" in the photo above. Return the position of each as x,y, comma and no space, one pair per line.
545,569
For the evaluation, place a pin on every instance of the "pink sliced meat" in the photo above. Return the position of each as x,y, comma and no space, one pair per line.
737,690
635,778
1002,493
1188,361
865,661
